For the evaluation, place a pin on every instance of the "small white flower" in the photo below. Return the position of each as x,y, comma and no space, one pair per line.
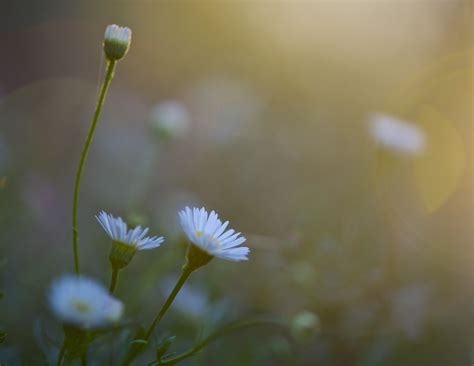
208,233
116,42
397,135
114,32
83,302
117,230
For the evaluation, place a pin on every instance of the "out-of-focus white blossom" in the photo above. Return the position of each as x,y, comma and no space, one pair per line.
397,135
82,302
304,325
171,118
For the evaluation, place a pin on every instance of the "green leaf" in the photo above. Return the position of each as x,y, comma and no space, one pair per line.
230,328
163,346
139,341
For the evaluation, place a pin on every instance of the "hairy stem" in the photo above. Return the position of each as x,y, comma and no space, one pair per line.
75,235
179,284
138,348
113,280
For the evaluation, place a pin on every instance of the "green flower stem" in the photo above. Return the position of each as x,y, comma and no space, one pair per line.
84,359
75,235
137,348
179,284
61,355
113,280
215,336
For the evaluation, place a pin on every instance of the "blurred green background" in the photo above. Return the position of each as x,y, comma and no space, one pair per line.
259,110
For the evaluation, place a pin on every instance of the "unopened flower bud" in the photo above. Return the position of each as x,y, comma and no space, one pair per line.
304,326
116,42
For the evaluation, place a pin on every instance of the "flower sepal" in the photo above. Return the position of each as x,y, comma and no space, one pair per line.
121,254
196,258
116,42
163,347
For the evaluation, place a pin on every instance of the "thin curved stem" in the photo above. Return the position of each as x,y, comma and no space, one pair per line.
216,335
138,348
84,359
113,280
75,234
61,355
179,284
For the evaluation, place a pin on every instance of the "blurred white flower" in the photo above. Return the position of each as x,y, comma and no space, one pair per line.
305,325
397,135
170,118
208,233
118,231
116,41
83,302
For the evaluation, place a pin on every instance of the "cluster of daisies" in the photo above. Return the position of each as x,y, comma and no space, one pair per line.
86,308
82,302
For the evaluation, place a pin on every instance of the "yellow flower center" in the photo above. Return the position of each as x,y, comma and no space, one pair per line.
210,238
81,307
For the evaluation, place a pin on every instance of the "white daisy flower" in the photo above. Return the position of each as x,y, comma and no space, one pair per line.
125,242
83,302
116,41
118,231
208,233
401,136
